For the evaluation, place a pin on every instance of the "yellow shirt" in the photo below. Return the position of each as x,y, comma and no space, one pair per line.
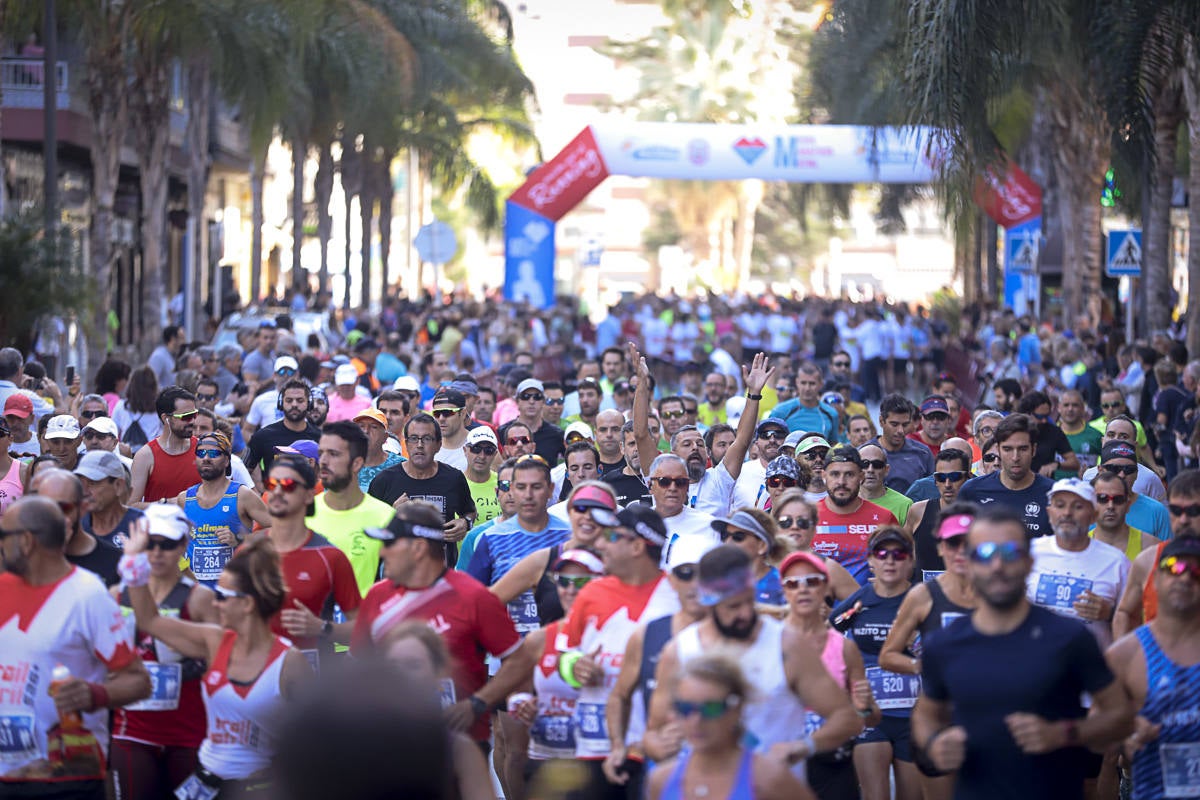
345,530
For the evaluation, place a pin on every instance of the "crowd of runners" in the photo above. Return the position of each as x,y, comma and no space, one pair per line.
755,548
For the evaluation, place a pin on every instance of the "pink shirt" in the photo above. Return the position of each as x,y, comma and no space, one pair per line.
340,409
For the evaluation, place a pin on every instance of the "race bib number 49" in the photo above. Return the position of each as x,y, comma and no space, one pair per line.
1180,769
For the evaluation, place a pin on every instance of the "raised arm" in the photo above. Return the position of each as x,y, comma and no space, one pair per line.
755,378
646,444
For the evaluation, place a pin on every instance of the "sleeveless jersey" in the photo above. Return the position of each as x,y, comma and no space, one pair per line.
206,555
773,713
943,612
545,593
171,474
242,718
1167,766
895,693
1133,543
743,784
173,714
929,563
658,633
10,486
1149,593
553,732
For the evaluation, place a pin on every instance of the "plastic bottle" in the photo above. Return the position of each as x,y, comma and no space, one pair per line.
69,720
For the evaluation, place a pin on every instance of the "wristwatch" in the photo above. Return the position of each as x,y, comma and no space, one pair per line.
478,705
753,396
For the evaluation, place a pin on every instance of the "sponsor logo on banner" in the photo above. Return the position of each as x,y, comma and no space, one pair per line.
1008,195
878,147
799,152
749,149
650,152
560,184
698,152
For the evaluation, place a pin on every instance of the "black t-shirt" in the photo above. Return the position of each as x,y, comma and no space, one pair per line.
548,442
261,449
1042,668
447,490
102,560
1030,502
824,336
118,535
1051,442
629,488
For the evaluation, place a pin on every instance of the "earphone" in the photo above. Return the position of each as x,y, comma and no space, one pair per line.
279,397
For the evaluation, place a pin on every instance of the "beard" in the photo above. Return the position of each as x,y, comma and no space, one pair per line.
740,630
1000,598
295,414
317,417
695,469
839,501
210,472
336,482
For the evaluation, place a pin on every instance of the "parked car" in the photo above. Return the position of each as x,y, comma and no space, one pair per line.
304,323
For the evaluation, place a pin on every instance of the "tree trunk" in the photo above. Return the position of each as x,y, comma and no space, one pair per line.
351,169
200,106
149,104
322,190
1191,87
258,168
386,193
299,157
1156,235
366,212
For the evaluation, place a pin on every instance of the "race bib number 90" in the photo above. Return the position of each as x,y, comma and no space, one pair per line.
1060,591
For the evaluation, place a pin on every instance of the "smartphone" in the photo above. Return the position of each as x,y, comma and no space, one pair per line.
70,375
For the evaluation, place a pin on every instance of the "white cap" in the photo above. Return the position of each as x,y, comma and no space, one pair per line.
530,383
406,383
103,425
481,434
1077,487
581,428
168,521
64,426
689,549
734,407
345,374
285,362
793,438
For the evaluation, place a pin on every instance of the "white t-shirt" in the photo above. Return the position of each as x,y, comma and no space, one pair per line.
713,493
748,492
1147,482
688,522
871,339
264,410
75,623
452,457
782,330
1059,576
654,334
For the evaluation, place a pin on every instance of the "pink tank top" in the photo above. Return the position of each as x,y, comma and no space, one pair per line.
10,486
834,656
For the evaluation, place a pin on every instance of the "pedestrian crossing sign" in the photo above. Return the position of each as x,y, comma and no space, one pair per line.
1124,254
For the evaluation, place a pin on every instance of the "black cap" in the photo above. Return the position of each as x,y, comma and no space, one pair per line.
770,422
366,343
642,520
1115,448
843,453
1182,546
403,529
449,398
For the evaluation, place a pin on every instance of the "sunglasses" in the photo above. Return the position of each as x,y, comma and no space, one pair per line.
817,454
783,388
685,572
1124,469
208,452
420,439
162,544
483,447
206,398
92,414
691,410
775,481
532,457
948,477
531,396
1191,511
678,483
185,415
445,413
803,523
6,532
891,554
1008,552
555,401
223,594
839,363
615,536
709,709
736,536
286,372
88,434
936,417
503,486
1115,499
991,458
576,437
773,435
673,414
1174,565
572,581
517,440
874,463
288,485
807,581
955,542
1111,405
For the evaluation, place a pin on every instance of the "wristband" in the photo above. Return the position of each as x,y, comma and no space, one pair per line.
478,705
864,712
753,396
134,570
566,668
99,696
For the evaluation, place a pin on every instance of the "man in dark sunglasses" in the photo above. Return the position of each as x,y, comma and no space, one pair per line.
1146,481
1113,408
531,402
874,484
1112,528
482,451
91,406
1023,729
167,465
769,435
952,471
1142,512
449,409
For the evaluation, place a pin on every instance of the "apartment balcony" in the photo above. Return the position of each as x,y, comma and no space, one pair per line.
23,81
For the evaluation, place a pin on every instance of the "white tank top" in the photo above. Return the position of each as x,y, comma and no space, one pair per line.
774,713
242,720
553,731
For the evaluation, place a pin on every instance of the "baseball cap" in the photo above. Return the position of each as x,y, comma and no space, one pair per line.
403,529
793,439
167,520
330,364
96,465
406,383
301,447
622,385
64,426
372,414
785,466
843,454
583,558
890,534
934,404
353,336
725,571
642,520
449,398
104,426
954,525
581,428
592,497
285,362
1182,546
345,374
811,443
366,343
530,383
688,550
803,557
734,407
1115,448
18,405
743,520
465,386
770,422
1075,486
481,434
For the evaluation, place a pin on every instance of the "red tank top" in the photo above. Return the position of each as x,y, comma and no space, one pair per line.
1149,593
171,474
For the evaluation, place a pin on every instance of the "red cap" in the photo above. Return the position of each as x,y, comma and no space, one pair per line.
18,405
800,556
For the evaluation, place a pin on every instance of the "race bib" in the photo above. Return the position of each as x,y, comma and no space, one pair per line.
1180,769
928,575
812,722
524,612
556,732
18,738
165,683
1060,591
590,717
314,659
893,690
195,789
446,692
208,561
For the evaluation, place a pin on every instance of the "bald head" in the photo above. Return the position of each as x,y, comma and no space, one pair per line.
39,516
610,416
58,485
956,443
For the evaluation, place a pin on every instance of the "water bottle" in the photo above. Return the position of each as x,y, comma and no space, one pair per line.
68,720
